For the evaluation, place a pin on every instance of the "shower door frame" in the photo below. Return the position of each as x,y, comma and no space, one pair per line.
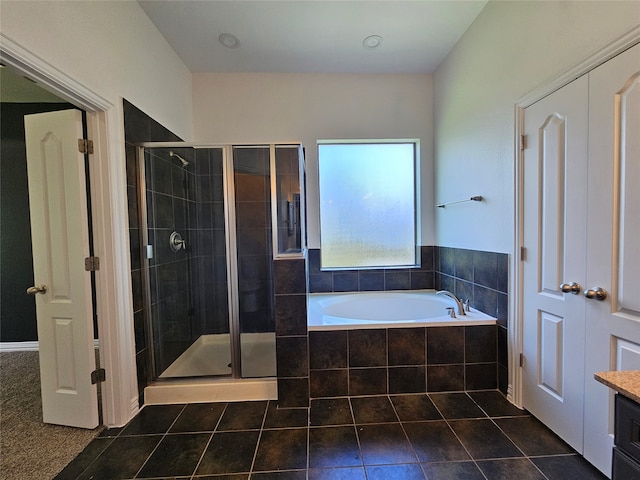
233,295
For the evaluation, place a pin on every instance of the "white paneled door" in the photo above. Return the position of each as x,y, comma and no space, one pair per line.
60,240
581,232
554,234
613,233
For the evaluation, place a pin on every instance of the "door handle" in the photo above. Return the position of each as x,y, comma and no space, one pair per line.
572,287
597,293
35,290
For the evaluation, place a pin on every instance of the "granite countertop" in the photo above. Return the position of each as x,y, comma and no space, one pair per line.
626,382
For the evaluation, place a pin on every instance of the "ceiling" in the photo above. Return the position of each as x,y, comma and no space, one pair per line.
313,36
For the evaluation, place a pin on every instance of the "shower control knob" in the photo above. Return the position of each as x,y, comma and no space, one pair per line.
176,242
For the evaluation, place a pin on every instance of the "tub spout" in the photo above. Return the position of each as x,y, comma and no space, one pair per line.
455,299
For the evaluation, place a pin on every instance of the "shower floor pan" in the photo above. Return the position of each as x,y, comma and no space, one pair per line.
211,355
206,360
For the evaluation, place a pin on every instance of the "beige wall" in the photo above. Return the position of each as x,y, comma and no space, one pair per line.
511,48
266,107
111,48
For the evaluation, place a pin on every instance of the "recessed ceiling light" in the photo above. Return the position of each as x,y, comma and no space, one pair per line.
229,41
372,42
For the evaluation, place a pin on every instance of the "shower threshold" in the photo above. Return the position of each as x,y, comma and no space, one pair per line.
210,389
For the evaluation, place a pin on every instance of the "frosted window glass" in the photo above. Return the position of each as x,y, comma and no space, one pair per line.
367,205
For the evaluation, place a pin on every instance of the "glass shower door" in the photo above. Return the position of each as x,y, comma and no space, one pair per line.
256,310
184,258
206,230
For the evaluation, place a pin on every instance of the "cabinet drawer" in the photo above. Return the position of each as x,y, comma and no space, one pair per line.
627,429
623,467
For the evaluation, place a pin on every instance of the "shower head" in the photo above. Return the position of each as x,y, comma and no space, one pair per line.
182,160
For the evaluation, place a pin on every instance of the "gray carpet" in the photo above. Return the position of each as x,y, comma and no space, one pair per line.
30,449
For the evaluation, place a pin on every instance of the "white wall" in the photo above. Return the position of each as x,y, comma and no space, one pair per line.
511,48
111,48
252,107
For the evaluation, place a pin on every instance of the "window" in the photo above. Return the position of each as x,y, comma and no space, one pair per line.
367,204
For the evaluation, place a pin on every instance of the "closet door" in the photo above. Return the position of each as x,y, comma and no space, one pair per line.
555,179
613,241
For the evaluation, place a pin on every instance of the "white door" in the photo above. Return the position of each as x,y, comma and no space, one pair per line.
582,225
555,185
60,239
613,247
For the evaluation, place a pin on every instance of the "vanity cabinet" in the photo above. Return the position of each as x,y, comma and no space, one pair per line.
626,452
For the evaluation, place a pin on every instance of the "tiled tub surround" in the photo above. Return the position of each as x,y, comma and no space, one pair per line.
402,360
481,277
372,280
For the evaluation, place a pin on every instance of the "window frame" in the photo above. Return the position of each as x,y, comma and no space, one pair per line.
415,142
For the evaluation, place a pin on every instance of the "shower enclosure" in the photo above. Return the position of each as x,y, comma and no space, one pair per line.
212,219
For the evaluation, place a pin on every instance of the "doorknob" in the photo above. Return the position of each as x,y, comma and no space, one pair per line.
34,290
572,287
597,293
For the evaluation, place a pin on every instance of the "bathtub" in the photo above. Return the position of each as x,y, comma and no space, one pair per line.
391,309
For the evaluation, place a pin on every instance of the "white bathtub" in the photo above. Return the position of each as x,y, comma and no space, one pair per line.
393,309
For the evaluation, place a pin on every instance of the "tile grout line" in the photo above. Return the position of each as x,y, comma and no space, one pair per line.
508,437
415,454
255,452
519,449
210,439
92,461
158,444
355,431
458,438
308,440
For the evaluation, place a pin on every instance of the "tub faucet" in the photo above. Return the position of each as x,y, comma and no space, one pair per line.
456,299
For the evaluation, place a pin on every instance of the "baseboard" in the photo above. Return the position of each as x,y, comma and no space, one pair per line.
19,346
26,346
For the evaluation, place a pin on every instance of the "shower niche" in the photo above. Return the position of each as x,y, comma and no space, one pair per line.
212,220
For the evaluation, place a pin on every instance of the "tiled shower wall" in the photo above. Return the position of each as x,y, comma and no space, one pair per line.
170,197
139,127
208,245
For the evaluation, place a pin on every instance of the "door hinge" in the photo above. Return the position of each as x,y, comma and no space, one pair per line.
98,375
522,359
523,142
85,146
92,264
523,254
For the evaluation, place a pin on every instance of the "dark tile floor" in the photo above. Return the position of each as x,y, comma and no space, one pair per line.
475,435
